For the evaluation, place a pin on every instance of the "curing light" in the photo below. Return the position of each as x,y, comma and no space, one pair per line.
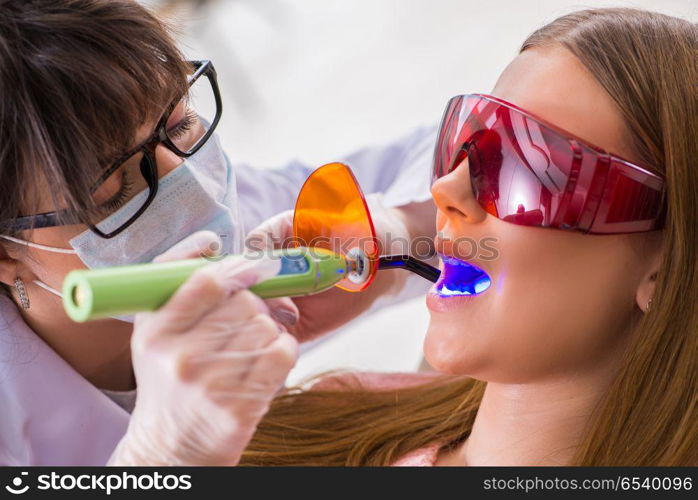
461,278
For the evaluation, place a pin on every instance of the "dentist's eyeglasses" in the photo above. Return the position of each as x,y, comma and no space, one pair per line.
130,184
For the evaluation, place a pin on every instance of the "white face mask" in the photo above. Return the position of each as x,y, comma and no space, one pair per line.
199,194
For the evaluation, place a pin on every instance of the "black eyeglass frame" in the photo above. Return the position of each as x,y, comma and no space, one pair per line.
148,165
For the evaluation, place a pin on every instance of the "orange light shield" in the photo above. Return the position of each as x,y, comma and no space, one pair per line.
331,213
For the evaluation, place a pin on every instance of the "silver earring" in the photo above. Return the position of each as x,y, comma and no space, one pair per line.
649,304
22,292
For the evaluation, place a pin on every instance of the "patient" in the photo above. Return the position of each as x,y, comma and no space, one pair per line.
577,346
582,350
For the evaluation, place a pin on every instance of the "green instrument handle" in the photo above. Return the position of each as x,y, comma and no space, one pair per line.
101,293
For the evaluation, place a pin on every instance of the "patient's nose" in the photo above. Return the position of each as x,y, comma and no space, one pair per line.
454,198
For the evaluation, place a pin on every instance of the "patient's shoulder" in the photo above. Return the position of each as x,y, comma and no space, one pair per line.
373,381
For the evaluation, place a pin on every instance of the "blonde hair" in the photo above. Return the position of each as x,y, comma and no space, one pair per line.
647,62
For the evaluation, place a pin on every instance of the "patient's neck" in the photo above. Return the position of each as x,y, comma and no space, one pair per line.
540,423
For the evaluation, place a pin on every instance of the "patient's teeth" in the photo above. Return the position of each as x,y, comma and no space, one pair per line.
461,278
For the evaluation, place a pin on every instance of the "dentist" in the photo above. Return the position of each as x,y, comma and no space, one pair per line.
106,161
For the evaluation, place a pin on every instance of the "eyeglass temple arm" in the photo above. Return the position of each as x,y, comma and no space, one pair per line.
411,264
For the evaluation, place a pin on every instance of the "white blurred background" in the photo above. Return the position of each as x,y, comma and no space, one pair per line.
316,79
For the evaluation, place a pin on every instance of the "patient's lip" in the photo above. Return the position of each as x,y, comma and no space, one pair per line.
453,297
446,248
439,303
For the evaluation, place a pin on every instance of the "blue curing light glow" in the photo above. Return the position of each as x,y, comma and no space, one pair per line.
461,278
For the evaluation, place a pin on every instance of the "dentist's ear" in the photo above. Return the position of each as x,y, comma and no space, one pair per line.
645,290
8,268
12,268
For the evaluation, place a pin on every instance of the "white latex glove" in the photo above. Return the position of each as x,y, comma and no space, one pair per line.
311,316
207,365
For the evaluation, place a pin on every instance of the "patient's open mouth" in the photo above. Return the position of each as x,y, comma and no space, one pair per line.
461,278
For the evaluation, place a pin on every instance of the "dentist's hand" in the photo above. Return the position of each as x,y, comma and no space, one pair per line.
311,316
207,365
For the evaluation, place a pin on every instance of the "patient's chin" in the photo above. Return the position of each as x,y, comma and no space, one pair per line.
449,350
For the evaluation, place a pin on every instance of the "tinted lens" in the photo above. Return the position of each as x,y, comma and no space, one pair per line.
331,213
632,201
519,168
522,170
191,119
125,191
447,143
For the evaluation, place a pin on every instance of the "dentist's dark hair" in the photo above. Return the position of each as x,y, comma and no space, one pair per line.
77,78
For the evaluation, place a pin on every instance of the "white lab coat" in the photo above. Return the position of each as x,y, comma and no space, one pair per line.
51,415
